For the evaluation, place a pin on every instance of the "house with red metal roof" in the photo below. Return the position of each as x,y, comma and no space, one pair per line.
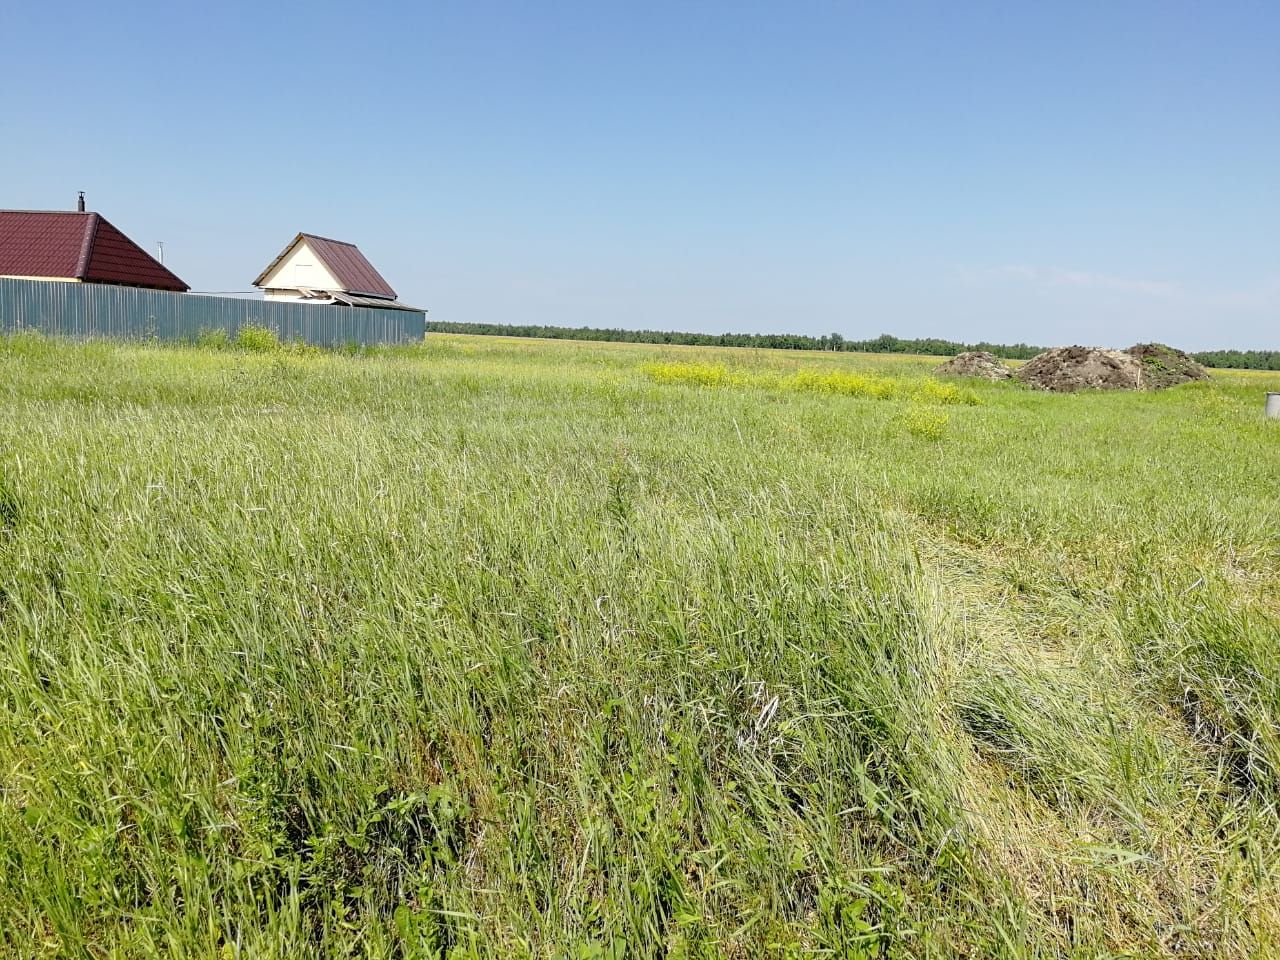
314,269
76,246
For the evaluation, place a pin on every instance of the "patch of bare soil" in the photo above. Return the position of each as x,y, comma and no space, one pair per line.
1066,369
975,363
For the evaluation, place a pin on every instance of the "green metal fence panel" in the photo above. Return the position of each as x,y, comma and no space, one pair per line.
88,310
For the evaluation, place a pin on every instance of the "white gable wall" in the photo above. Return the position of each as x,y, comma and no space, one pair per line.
300,268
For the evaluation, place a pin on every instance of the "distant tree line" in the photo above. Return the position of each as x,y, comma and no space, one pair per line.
1240,359
885,343
777,341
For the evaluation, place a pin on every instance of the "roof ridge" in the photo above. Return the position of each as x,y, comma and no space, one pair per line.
52,213
316,236
86,245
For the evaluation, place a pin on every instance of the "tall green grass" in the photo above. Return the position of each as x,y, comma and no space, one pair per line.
484,648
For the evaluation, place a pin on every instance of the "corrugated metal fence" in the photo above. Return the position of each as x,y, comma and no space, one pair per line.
83,310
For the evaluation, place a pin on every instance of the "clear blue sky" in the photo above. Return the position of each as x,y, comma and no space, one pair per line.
1072,172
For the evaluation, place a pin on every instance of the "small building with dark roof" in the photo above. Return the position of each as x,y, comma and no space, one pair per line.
77,246
314,269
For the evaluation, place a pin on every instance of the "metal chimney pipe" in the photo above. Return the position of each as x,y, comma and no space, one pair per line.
1273,406
80,203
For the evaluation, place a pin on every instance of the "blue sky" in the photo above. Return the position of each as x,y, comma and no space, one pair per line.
1073,172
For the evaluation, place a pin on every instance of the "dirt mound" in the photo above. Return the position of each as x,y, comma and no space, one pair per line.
975,363
1165,366
1065,369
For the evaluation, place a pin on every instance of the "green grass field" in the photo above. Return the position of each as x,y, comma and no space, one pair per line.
548,649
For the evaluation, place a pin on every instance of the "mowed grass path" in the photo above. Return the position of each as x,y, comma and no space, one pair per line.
502,648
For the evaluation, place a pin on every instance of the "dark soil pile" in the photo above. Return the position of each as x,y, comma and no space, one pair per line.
1164,366
1065,369
975,363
